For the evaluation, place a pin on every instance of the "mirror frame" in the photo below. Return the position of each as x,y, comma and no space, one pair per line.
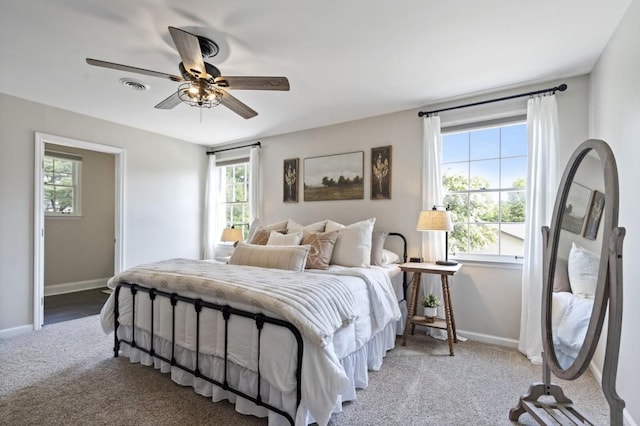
551,237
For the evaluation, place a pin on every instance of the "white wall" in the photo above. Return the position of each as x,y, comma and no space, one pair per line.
615,118
164,186
486,298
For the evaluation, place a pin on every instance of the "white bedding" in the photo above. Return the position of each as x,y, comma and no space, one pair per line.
569,323
330,375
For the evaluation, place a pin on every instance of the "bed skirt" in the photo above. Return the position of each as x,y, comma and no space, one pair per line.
356,366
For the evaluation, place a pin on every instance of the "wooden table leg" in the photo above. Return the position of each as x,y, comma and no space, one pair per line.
453,318
411,311
448,316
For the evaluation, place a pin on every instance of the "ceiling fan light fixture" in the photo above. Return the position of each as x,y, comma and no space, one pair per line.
199,94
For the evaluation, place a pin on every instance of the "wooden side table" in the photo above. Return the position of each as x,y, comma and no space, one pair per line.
449,322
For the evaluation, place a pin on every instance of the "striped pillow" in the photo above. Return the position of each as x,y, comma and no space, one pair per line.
292,258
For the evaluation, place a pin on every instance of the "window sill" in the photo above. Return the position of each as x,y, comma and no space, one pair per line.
61,216
489,262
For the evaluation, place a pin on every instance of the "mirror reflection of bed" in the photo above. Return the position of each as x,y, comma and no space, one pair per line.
577,262
582,257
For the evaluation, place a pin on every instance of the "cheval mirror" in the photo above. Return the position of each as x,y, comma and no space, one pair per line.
582,253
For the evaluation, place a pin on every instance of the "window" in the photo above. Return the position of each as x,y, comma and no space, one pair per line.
484,173
62,184
234,194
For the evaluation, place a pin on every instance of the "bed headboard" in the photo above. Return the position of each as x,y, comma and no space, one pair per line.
403,257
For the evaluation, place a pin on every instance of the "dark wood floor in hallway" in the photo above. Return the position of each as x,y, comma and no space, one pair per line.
69,306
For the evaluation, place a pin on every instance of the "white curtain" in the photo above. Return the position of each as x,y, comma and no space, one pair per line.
542,129
255,191
432,242
210,205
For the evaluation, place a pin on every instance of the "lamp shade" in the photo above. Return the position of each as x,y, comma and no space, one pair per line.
231,234
434,220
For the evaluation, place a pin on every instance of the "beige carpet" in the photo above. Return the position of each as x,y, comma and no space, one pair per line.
65,374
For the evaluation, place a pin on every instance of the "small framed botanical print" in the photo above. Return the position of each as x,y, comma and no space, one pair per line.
290,181
381,173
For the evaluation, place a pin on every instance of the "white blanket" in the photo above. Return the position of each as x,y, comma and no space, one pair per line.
317,305
324,378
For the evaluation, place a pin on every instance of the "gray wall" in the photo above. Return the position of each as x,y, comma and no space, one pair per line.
164,186
615,118
486,298
81,248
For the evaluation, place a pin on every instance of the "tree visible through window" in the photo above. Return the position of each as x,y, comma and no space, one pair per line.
484,176
61,189
234,196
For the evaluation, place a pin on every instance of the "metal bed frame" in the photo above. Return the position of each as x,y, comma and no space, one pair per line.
227,311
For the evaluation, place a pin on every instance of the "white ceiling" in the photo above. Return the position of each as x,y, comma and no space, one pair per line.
345,60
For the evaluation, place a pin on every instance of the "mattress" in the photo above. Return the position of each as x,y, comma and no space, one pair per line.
329,376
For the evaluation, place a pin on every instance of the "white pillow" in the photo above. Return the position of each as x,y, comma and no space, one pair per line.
353,246
278,239
389,257
293,226
583,266
292,258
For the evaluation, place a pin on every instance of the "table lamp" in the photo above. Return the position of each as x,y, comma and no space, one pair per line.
231,235
437,220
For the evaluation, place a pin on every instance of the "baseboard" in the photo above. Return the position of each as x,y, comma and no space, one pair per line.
50,290
16,331
492,340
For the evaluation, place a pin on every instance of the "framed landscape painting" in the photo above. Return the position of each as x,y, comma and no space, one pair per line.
334,177
290,181
381,173
576,207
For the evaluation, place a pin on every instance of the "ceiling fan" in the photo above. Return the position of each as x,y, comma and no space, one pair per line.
201,83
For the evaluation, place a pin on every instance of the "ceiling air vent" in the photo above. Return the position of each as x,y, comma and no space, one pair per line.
134,84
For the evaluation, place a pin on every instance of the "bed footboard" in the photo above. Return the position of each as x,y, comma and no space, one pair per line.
227,311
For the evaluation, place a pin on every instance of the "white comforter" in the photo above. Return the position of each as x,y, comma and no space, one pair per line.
374,307
570,319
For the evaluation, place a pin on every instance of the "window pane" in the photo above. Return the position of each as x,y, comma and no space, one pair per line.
63,199
459,238
484,144
513,172
512,206
485,174
483,239
512,239
483,207
458,204
455,147
455,176
514,140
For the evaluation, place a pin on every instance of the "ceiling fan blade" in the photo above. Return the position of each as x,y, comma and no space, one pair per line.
236,106
253,83
170,102
128,68
189,49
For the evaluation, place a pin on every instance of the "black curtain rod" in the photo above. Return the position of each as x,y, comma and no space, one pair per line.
560,88
235,147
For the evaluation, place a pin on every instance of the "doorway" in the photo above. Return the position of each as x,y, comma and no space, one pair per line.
41,140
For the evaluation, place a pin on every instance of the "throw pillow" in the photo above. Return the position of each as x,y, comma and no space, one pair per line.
583,266
321,248
353,246
292,258
377,245
278,239
293,226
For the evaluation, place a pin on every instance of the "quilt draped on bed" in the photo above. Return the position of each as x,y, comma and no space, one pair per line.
317,305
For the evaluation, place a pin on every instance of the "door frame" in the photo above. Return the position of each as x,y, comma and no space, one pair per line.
38,215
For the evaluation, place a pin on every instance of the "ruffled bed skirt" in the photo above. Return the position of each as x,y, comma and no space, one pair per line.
356,366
